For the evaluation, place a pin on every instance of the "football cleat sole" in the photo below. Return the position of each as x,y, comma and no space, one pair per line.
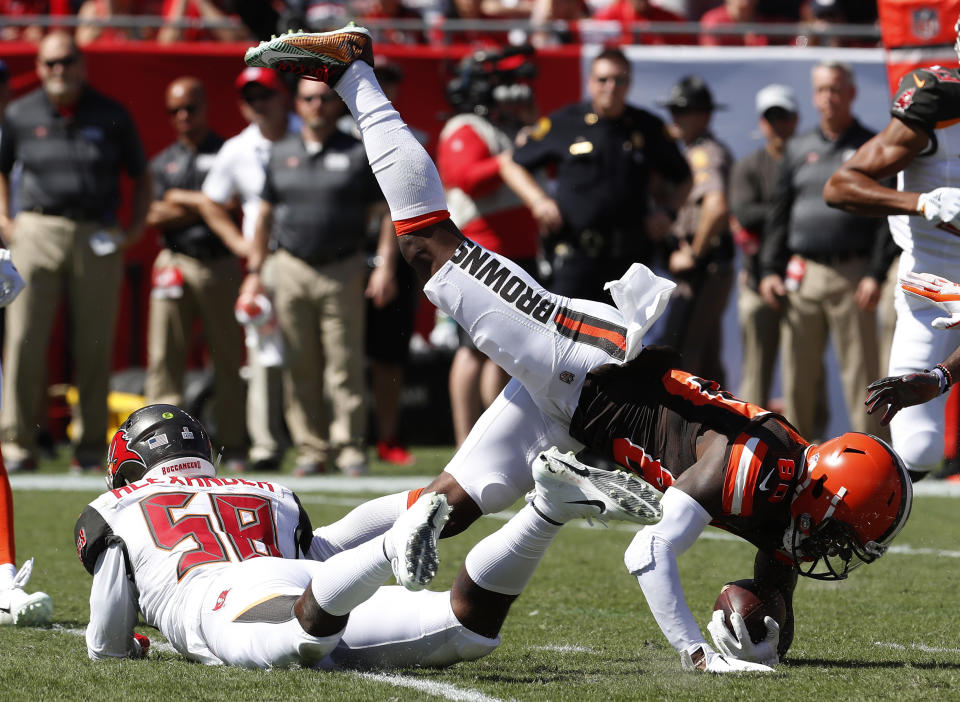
415,535
322,56
571,489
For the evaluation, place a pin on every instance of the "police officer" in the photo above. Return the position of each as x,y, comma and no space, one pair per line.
195,276
701,245
612,160
72,143
315,202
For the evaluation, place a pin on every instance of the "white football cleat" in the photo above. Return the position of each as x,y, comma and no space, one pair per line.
323,56
21,609
566,489
411,543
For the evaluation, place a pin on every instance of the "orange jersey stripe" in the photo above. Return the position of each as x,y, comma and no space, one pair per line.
616,338
743,469
405,226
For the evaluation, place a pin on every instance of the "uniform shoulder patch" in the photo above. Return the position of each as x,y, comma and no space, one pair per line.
699,157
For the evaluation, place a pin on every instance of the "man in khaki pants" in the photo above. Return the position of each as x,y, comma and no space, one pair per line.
72,143
195,276
318,190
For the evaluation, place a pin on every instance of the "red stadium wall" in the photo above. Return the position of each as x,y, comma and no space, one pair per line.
136,74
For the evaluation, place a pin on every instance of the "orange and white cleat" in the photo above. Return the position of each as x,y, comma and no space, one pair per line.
322,56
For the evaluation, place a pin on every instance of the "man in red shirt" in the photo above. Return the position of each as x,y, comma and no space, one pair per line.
628,12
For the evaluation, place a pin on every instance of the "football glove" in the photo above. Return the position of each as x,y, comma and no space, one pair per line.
941,205
144,644
10,281
935,291
737,644
894,393
702,657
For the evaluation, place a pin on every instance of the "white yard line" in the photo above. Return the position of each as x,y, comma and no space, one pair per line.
438,689
563,648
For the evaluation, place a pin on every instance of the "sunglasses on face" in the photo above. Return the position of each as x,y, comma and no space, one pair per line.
66,61
251,98
776,114
190,109
325,98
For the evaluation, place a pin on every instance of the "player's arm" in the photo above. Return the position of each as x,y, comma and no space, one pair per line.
769,572
652,558
113,610
856,186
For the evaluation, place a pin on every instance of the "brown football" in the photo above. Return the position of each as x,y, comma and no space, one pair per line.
746,598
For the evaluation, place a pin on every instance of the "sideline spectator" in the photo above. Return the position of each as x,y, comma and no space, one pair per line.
103,11
72,143
18,8
734,12
316,199
195,276
701,261
494,105
751,192
611,160
175,10
236,177
837,261
547,11
627,12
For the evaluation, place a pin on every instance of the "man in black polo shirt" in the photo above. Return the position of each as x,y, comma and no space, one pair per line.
837,261
73,143
611,160
316,201
195,275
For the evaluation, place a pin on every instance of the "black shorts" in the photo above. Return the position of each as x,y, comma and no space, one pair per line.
390,328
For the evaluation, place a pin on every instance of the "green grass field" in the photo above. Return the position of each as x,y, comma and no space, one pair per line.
581,631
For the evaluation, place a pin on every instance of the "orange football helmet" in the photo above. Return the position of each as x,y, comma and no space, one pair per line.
854,498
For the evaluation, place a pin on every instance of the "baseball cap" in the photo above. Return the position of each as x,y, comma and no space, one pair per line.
266,77
776,95
690,93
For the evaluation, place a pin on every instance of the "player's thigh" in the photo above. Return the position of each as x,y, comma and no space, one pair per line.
493,464
248,618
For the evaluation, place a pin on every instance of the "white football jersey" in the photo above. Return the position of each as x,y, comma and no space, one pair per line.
176,530
929,98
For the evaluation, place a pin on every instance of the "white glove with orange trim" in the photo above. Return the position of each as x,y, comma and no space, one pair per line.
937,291
941,205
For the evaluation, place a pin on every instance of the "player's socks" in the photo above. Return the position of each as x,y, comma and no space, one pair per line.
399,628
407,177
346,579
361,524
504,561
8,572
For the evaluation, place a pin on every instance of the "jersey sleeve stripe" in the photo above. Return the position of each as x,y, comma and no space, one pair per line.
582,328
740,481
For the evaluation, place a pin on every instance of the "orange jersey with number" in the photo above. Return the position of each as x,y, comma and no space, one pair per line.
647,416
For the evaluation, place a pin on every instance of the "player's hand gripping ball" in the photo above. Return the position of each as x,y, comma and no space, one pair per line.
746,599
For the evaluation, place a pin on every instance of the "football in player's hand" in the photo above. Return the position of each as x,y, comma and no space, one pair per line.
753,604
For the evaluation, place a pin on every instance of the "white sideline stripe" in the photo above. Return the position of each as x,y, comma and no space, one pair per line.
917,647
444,690
438,689
320,483
386,485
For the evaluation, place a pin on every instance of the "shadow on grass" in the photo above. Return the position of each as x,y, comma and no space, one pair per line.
880,665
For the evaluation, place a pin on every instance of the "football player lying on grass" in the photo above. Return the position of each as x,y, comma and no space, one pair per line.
221,566
892,394
582,378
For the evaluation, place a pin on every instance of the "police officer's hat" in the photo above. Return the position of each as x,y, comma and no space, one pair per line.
690,93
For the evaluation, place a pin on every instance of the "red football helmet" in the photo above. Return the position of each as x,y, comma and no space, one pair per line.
854,498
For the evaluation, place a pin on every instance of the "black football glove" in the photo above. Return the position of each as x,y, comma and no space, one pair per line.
896,392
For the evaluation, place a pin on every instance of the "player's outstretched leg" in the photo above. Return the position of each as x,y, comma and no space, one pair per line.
566,489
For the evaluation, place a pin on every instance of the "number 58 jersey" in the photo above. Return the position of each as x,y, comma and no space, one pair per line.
176,530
